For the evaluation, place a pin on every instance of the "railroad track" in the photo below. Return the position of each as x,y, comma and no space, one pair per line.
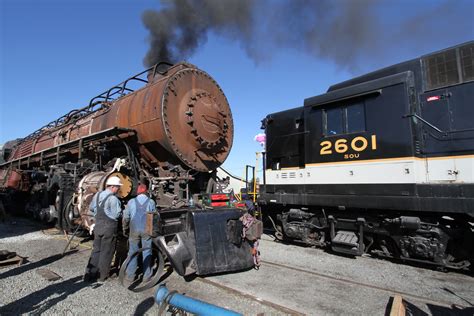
340,280
58,235
392,292
456,275
232,291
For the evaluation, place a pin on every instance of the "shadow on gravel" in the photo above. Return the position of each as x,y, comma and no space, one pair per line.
18,225
144,306
33,265
453,311
435,310
40,301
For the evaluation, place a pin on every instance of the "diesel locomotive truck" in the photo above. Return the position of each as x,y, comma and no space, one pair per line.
170,127
382,163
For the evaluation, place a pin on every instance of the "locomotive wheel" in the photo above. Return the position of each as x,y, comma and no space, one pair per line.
68,216
69,221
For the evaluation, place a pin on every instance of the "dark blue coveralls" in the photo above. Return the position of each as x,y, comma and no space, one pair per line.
105,235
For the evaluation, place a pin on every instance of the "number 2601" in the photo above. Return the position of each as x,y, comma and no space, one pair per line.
342,145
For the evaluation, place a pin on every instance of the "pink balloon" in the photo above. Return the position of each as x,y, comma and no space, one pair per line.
261,138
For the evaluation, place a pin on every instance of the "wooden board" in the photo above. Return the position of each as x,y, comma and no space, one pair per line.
15,260
48,274
398,308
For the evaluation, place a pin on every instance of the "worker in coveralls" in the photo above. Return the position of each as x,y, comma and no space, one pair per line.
106,209
134,219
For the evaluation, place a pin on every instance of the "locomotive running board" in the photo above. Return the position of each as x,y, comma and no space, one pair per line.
76,144
345,241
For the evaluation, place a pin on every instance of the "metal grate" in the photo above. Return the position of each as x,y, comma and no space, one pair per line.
467,62
442,69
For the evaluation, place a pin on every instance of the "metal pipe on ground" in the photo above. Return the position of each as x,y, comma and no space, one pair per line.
164,297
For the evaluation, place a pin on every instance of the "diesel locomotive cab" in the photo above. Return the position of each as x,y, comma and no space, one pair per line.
382,163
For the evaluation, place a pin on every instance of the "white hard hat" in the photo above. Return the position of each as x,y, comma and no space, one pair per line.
114,181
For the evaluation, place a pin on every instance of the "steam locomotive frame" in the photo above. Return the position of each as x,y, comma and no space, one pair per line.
172,133
382,163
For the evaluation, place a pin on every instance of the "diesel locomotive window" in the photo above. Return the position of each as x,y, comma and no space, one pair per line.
355,118
344,120
334,121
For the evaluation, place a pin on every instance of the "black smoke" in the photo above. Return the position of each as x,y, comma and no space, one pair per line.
343,31
177,30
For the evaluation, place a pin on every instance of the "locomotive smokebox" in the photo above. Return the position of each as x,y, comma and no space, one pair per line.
183,111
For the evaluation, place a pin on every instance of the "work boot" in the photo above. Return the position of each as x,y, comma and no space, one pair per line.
89,277
100,281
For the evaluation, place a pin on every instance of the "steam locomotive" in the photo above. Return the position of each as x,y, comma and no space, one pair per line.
382,163
172,132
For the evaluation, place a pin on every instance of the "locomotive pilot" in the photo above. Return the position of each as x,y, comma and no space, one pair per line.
106,208
134,219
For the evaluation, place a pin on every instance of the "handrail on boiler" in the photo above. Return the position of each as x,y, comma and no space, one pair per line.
102,99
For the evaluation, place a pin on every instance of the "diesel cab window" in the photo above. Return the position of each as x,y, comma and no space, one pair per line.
344,120
334,121
355,116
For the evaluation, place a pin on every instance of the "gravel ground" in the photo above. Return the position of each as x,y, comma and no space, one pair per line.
325,284
24,291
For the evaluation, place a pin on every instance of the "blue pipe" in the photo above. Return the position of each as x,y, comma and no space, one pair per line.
191,305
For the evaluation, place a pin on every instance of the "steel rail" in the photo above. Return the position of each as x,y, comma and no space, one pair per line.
232,291
405,295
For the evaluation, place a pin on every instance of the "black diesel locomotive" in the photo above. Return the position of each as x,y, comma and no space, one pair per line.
382,163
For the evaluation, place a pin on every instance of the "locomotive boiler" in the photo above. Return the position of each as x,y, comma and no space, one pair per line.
381,164
169,126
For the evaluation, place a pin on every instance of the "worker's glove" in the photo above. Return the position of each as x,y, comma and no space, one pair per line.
91,228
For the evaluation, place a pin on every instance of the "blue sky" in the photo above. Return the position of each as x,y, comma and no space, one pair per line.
56,55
